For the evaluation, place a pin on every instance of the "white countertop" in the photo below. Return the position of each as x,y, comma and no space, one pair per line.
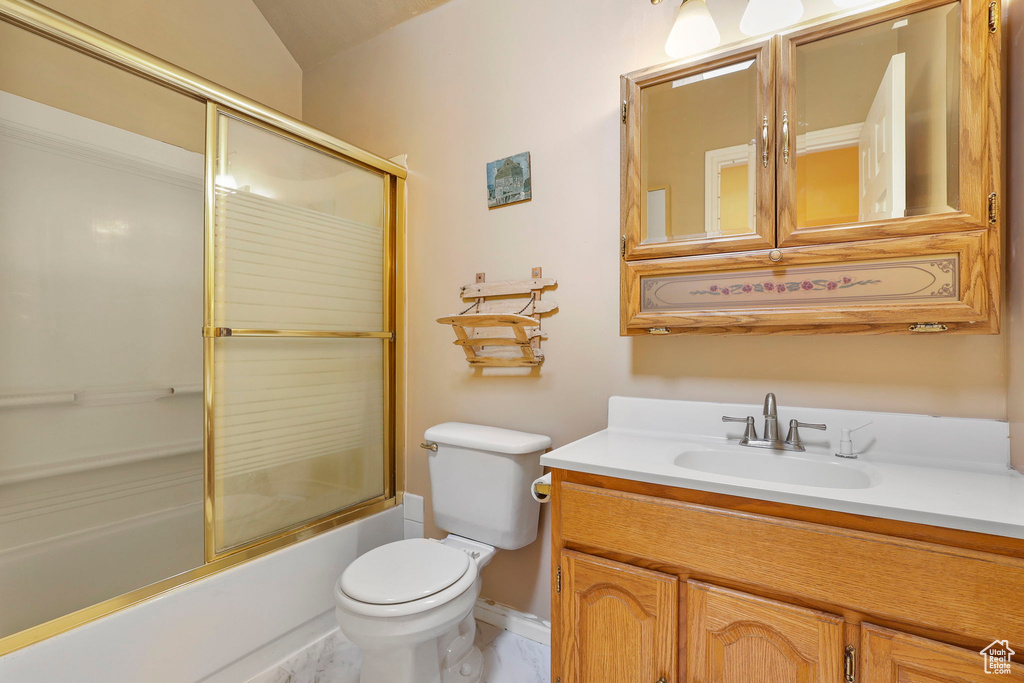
974,492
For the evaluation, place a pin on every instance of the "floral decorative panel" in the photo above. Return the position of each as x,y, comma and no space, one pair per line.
899,280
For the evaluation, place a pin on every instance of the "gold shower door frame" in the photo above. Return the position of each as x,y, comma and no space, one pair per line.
53,25
211,333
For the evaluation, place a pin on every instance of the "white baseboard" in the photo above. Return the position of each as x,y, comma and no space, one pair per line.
522,624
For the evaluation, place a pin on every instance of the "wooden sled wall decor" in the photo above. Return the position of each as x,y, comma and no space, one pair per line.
502,327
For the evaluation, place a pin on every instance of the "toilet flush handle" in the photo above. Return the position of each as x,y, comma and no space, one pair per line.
429,445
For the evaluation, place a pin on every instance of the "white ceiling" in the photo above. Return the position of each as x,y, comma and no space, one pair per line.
315,30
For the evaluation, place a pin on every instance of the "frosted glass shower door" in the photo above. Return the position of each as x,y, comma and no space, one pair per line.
299,336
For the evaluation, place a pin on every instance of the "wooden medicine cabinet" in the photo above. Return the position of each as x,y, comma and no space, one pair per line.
843,177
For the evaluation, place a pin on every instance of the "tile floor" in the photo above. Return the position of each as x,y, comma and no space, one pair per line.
508,658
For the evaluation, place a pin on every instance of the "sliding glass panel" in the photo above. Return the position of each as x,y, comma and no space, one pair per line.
300,235
298,431
300,252
101,299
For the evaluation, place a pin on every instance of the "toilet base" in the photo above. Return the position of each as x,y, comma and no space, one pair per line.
451,658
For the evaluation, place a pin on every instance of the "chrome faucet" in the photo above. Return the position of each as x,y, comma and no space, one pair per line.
771,429
771,419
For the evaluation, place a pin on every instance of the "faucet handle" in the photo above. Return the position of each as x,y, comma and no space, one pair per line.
793,438
750,434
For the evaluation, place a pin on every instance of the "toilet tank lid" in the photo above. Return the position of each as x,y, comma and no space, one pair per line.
483,438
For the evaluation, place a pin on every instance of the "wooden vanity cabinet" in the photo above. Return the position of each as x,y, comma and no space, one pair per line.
625,620
843,177
653,583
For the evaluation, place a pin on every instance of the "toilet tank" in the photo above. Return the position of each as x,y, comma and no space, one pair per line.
480,481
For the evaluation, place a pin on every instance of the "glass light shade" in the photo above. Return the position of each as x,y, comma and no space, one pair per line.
765,16
844,4
694,31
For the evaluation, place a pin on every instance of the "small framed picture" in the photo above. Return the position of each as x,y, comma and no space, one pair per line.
508,181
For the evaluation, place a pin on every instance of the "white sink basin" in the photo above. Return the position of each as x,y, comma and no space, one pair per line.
767,465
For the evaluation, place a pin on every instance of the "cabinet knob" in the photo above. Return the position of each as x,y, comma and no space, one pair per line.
662,680
775,255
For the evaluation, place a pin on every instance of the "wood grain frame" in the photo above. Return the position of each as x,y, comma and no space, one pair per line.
979,127
981,174
632,184
972,310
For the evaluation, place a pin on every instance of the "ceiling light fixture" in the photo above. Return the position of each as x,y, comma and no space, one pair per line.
765,16
694,31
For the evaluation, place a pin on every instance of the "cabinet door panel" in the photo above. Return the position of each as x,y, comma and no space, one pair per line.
893,657
937,278
884,124
619,623
697,166
733,637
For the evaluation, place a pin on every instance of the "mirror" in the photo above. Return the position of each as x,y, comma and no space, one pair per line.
877,127
698,146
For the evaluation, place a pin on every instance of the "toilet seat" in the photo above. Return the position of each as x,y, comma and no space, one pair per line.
404,571
404,578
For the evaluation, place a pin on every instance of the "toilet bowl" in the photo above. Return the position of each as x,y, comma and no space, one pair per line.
408,605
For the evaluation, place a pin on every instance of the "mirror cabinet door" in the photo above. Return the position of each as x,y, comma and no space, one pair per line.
870,112
699,166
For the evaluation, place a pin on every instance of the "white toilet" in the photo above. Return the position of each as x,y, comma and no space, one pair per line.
408,605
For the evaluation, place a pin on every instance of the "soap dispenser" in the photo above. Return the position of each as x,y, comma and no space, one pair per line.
846,442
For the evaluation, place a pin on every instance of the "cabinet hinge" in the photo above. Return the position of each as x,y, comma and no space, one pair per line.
625,110
993,208
993,16
850,664
558,580
622,247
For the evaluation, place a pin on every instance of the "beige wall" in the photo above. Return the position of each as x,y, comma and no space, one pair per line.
476,80
227,41
1013,210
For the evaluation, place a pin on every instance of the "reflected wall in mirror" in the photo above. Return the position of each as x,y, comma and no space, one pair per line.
101,252
698,143
877,123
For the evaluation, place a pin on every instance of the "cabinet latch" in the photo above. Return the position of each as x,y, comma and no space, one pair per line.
558,579
850,664
625,110
993,16
928,327
993,208
622,247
